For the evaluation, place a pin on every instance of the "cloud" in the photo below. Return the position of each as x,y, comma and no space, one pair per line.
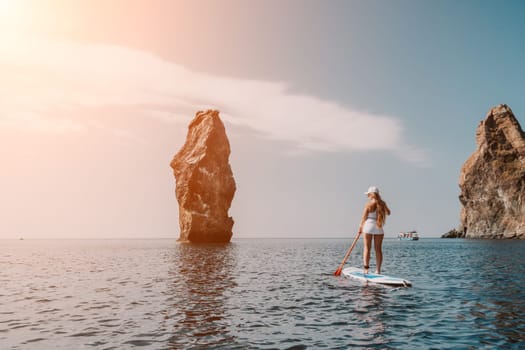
40,76
27,120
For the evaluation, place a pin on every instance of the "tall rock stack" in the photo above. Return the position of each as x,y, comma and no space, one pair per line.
204,181
492,180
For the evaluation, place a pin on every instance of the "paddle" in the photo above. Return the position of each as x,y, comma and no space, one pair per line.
340,268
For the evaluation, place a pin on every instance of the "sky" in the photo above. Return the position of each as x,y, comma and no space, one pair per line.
320,100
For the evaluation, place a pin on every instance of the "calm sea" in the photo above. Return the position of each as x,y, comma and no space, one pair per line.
258,294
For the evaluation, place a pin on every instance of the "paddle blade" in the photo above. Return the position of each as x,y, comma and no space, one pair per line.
338,271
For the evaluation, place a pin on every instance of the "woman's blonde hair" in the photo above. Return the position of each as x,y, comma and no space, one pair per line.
380,208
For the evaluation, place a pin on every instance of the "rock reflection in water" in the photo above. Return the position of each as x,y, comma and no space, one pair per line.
499,280
202,280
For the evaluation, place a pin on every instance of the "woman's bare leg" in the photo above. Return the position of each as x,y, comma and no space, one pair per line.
367,240
378,245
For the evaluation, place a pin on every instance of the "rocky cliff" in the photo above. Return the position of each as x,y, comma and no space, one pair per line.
492,180
204,181
454,233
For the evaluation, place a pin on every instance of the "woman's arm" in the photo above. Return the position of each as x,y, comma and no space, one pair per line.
363,218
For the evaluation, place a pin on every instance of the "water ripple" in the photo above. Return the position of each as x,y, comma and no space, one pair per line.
258,294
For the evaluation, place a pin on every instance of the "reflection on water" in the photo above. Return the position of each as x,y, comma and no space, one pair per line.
258,294
201,278
498,284
369,310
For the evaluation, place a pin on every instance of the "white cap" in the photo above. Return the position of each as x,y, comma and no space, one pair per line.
372,189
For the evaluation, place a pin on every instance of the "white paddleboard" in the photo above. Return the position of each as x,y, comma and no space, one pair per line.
356,273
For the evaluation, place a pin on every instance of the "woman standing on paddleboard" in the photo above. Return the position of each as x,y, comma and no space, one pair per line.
374,216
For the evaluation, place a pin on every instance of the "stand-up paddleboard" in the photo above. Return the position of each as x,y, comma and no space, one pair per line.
356,273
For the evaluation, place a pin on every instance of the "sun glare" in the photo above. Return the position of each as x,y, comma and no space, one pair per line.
6,6
11,14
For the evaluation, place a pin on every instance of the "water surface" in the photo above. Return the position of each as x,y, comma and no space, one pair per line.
258,294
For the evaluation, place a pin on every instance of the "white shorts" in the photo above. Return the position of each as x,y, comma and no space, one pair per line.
370,227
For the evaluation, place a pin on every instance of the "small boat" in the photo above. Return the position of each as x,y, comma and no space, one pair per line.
408,236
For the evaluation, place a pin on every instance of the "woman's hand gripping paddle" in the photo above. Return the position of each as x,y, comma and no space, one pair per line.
340,268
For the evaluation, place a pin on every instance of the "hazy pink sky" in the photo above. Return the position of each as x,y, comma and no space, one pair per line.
95,98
